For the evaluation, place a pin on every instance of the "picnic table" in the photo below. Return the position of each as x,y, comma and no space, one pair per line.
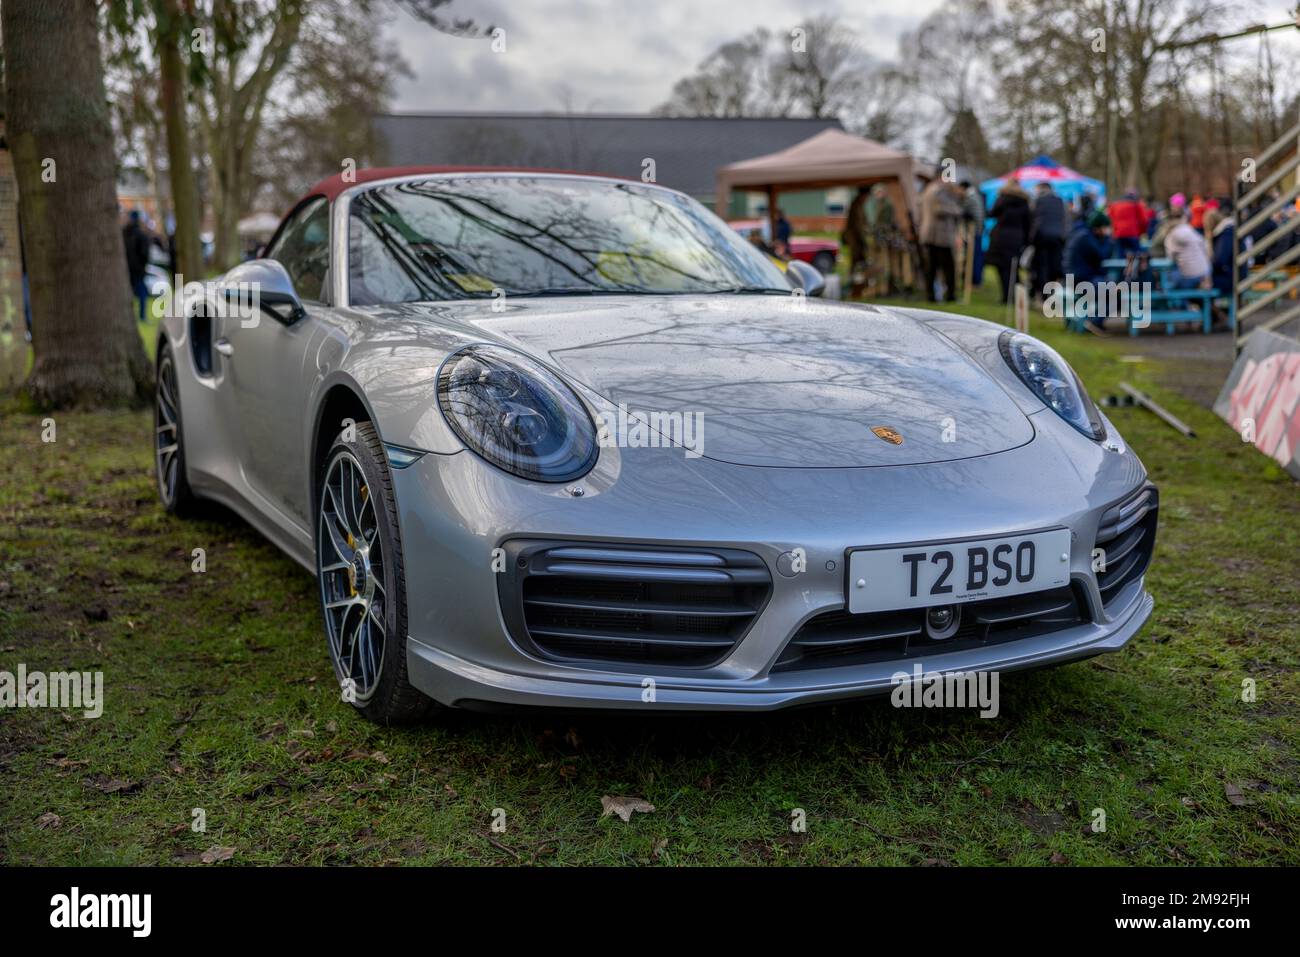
1168,305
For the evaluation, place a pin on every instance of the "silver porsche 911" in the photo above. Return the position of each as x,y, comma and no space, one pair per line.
553,439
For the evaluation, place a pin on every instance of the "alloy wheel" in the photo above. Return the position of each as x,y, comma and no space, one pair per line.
167,431
350,567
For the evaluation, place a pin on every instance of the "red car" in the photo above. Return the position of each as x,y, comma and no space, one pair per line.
821,253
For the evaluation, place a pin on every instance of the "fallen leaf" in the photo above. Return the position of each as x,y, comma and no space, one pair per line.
1058,858
48,821
215,854
625,806
660,846
571,738
271,732
116,786
1234,795
380,757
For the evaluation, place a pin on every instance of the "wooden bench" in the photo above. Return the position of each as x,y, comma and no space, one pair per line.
1168,307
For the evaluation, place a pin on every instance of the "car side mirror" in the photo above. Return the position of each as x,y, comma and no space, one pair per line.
810,280
267,283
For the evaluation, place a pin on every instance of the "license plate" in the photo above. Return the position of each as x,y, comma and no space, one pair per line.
946,573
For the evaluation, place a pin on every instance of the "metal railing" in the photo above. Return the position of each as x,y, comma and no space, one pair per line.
1280,161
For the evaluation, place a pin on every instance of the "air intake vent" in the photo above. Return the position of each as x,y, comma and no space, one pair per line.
631,603
836,638
1127,536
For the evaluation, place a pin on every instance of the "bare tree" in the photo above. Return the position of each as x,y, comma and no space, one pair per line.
343,73
824,66
948,54
1116,77
169,33
883,108
87,349
253,46
736,79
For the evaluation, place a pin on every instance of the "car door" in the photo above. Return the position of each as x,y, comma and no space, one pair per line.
269,372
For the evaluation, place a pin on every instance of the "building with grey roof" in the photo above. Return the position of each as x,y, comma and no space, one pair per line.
687,151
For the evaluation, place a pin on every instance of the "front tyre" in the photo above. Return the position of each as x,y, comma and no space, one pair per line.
362,580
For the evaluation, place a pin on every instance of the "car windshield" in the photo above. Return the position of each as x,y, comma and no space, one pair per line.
485,236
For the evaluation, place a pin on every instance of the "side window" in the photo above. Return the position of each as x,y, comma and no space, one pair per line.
303,249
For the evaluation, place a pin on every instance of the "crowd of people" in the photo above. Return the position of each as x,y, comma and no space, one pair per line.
877,245
1039,238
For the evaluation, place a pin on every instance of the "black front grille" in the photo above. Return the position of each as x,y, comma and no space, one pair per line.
836,638
634,603
1126,536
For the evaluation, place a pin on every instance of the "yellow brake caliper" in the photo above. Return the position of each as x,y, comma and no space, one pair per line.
352,543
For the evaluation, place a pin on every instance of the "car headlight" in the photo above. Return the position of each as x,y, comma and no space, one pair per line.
1050,378
517,414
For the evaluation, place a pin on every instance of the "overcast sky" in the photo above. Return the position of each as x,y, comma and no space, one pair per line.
618,56
623,56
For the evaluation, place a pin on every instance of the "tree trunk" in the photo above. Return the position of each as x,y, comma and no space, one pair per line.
227,239
224,131
171,94
155,176
84,336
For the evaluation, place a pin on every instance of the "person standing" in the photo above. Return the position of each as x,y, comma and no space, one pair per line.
1223,254
1006,243
885,243
1130,218
136,241
783,228
973,206
855,238
941,211
1047,235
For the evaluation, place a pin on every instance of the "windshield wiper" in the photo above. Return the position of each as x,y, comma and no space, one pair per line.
564,291
599,291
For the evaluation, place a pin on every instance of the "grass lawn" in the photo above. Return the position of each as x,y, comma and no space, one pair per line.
219,696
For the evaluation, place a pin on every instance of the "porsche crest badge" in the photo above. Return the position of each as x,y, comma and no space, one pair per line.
888,433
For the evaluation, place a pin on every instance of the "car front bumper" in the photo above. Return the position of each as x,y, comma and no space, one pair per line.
462,683
456,513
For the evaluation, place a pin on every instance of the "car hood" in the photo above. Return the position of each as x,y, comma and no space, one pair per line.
771,380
